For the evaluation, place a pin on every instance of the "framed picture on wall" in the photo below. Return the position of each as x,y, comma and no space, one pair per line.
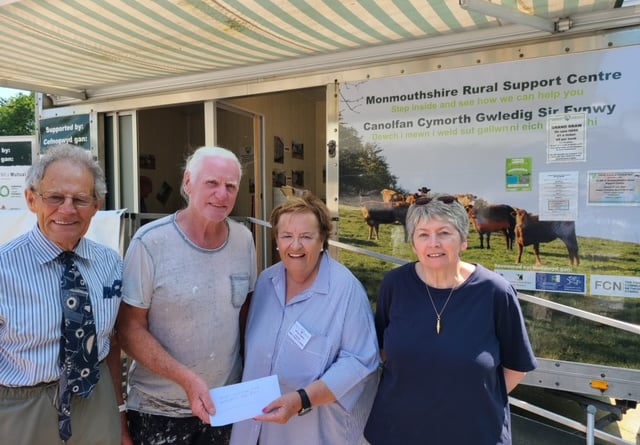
278,150
297,178
297,150
147,161
164,192
278,178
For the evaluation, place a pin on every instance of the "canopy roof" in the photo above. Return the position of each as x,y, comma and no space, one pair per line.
108,48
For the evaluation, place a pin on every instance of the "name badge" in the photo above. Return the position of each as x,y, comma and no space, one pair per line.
299,335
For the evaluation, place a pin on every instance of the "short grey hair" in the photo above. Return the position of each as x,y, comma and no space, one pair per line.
70,153
453,213
195,161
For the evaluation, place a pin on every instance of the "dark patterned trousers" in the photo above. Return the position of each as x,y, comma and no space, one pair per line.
149,429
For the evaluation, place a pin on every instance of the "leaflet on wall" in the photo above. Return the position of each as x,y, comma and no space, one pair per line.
567,137
518,173
558,196
609,188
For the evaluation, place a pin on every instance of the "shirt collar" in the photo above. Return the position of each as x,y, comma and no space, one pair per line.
319,286
46,250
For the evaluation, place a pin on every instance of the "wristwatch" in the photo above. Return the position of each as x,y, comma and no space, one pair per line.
306,403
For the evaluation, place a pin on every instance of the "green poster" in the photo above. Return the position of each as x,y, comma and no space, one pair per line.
518,175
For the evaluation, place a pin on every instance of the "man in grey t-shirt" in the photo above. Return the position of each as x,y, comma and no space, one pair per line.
186,277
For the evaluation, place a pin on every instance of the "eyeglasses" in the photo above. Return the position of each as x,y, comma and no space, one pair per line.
54,199
447,199
303,239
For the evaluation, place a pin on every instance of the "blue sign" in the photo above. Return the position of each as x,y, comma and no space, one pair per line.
561,282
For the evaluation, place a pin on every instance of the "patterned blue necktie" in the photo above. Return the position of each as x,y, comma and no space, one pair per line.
78,344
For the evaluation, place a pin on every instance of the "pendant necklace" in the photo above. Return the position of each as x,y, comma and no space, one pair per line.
439,314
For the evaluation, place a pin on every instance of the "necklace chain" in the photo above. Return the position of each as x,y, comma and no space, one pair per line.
439,314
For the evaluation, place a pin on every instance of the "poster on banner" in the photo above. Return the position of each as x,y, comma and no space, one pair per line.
567,137
558,197
610,188
555,138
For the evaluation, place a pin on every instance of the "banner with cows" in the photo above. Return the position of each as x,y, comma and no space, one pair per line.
544,153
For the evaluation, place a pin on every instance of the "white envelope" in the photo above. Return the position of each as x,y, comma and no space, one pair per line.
243,400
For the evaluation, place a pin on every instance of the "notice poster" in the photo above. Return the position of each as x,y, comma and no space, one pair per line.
611,188
558,197
567,137
518,173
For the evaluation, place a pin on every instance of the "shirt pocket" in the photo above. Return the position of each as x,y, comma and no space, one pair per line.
296,368
239,288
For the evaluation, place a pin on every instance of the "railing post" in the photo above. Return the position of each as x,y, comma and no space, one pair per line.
591,422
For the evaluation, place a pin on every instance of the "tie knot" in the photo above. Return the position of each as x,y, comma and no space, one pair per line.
67,257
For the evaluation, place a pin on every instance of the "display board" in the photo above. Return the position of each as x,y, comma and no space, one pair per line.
16,156
557,138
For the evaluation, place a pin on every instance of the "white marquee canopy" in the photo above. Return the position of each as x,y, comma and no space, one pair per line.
89,49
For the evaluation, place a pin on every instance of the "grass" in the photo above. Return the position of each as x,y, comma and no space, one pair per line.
554,335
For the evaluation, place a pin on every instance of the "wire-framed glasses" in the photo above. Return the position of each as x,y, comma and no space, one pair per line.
55,199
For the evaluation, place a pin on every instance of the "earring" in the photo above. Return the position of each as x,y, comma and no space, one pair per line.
277,248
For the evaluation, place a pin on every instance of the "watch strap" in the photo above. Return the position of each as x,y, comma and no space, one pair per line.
306,402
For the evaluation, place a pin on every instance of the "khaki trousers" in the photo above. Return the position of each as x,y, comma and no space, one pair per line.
28,415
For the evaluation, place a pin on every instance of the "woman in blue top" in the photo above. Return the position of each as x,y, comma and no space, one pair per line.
310,323
452,337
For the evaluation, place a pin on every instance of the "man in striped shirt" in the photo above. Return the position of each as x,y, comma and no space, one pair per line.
65,188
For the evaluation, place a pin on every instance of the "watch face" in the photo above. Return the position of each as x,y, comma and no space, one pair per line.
304,411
